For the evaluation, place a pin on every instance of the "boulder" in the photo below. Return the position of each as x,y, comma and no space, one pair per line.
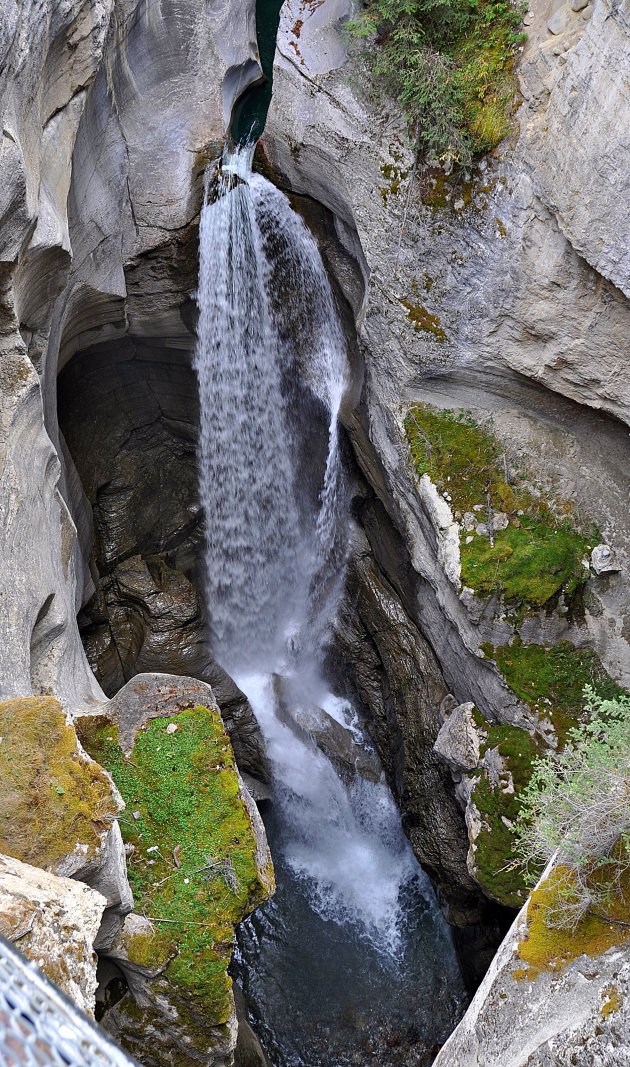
534,1009
560,20
603,560
199,862
59,807
458,740
54,922
154,695
350,759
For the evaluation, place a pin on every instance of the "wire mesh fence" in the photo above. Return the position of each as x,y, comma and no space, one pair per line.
40,1027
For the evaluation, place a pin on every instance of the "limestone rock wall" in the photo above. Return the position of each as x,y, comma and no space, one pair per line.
521,319
502,293
41,98
110,111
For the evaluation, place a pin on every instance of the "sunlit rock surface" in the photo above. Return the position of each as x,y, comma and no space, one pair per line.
54,922
560,1015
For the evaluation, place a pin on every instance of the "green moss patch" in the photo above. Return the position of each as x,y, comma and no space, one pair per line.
497,868
51,797
193,867
552,680
530,564
551,948
539,555
613,1001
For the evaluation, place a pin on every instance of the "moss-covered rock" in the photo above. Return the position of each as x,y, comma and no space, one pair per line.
195,869
57,805
507,753
538,554
552,680
550,947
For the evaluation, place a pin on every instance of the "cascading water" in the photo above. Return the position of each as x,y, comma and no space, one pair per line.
255,573
270,347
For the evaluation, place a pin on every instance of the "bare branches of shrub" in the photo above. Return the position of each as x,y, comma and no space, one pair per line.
576,808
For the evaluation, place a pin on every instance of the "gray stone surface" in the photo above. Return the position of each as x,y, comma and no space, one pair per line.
315,726
54,922
578,1014
560,20
458,740
603,560
393,670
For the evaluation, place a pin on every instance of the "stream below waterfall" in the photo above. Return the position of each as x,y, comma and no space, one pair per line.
351,962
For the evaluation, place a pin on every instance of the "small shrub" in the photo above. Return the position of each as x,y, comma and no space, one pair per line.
449,63
576,808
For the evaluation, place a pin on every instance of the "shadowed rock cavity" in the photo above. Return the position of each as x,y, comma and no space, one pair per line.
129,413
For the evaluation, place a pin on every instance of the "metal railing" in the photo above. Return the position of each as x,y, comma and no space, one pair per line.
41,1027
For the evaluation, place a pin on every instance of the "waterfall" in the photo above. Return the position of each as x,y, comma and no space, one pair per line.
264,571
270,339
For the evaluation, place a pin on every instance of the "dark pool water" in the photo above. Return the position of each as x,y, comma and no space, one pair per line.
320,994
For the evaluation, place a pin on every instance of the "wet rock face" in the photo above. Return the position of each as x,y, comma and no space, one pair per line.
129,415
400,686
54,922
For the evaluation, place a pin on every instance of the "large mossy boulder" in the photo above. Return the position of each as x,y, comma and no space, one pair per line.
553,995
198,864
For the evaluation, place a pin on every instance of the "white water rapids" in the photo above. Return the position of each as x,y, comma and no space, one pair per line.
269,335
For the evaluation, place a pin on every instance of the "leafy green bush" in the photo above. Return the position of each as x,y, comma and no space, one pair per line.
449,63
576,808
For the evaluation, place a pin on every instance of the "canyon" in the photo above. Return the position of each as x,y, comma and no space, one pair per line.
489,310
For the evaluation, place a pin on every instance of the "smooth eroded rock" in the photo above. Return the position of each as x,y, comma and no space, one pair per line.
458,740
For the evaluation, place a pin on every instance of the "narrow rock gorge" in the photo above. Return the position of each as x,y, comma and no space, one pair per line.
314,537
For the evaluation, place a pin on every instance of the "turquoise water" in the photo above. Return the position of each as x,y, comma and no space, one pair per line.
250,113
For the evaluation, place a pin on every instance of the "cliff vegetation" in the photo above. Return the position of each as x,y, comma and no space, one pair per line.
450,64
534,551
